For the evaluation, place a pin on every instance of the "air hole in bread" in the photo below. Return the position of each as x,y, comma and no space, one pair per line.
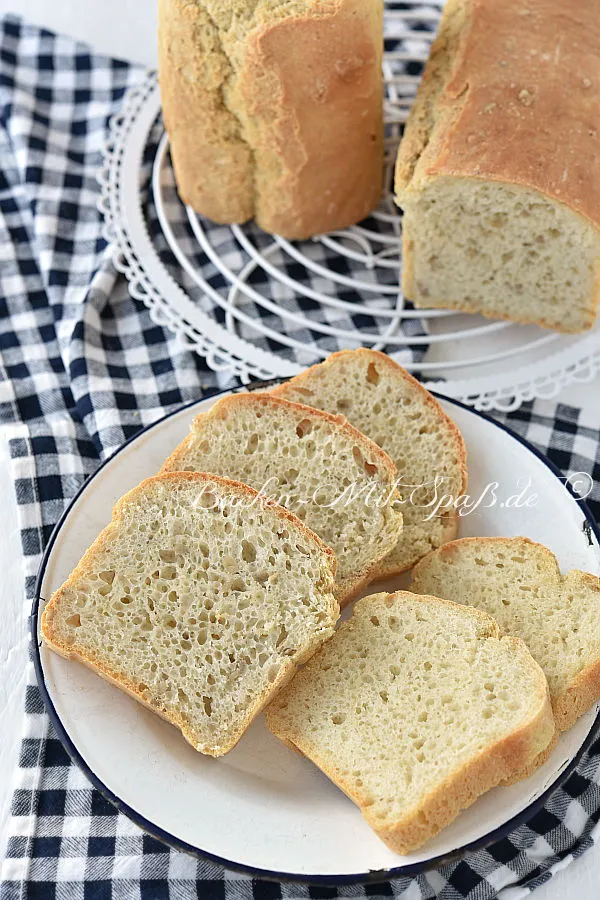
283,634
74,620
167,556
372,374
252,445
302,429
207,500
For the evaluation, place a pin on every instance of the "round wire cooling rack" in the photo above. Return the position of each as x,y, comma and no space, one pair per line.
263,307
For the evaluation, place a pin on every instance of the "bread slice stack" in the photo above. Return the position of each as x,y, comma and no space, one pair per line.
204,595
414,708
382,400
519,583
331,476
198,602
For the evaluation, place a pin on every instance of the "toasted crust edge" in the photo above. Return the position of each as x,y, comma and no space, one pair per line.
109,675
494,767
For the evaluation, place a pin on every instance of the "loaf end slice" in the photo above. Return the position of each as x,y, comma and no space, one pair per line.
199,602
387,404
340,483
488,228
414,709
519,583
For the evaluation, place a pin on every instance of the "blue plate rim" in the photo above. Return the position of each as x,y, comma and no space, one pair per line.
372,876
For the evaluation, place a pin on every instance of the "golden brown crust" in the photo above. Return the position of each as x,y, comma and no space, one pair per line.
579,697
492,767
584,691
453,435
53,640
425,113
193,73
539,760
530,70
292,131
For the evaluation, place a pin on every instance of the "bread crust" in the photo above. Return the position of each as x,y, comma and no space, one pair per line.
93,662
387,569
533,67
492,767
509,95
584,691
214,174
349,588
291,128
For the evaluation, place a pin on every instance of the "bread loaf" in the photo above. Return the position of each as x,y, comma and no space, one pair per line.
197,601
383,401
415,708
274,109
519,583
321,468
498,173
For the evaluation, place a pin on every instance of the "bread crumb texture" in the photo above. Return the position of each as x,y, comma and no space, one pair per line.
326,472
414,708
519,583
383,401
197,604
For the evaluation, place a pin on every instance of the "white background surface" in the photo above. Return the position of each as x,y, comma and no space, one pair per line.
127,28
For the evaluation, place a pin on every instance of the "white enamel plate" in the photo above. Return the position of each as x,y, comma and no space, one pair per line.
263,808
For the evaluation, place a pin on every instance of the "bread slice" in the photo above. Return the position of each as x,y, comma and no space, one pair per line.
274,109
519,583
326,472
414,709
498,173
382,400
199,602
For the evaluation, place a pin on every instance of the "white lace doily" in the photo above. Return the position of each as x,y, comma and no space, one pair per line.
264,307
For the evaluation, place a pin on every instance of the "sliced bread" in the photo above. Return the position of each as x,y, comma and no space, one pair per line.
197,601
321,468
519,583
382,400
415,708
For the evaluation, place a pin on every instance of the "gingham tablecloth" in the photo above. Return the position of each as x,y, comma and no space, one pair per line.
83,368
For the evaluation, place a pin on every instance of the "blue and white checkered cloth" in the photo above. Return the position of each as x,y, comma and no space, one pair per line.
82,368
